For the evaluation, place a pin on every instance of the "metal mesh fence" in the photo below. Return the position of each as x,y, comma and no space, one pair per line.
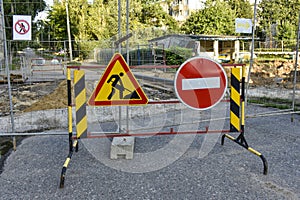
163,112
39,81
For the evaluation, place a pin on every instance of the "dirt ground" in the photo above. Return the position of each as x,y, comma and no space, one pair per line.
32,97
57,98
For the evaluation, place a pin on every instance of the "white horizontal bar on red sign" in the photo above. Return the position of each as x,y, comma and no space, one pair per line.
201,83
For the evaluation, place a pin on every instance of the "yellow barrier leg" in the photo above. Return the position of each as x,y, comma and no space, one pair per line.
264,160
237,119
65,166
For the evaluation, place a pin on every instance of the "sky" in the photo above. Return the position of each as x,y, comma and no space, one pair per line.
43,15
49,2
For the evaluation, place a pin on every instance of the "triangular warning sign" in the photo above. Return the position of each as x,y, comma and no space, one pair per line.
117,86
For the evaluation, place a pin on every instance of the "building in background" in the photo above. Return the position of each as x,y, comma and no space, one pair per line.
182,9
221,48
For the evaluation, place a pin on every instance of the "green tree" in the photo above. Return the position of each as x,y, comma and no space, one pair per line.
216,18
279,18
99,21
153,15
100,18
79,18
242,8
56,25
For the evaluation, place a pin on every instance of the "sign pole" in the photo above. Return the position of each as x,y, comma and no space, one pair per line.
252,50
120,51
127,57
8,78
69,31
296,66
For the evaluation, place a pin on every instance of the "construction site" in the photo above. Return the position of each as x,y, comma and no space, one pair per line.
168,117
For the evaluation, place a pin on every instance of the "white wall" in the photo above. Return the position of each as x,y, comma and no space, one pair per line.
195,4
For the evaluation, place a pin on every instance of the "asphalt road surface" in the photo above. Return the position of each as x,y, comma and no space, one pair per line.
227,172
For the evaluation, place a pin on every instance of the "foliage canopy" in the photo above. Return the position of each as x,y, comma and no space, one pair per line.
217,18
279,18
99,21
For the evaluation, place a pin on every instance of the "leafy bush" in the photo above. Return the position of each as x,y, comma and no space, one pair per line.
140,57
177,55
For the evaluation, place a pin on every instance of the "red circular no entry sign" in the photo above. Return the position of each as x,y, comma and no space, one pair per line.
200,83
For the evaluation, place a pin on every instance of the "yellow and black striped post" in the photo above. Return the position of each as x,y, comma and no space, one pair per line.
235,100
243,99
241,137
81,119
69,88
65,166
80,103
72,144
237,118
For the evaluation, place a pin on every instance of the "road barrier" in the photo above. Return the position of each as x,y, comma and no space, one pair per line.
43,65
235,100
237,115
237,118
80,103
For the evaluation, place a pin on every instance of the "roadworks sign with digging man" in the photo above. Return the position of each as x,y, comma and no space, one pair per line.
117,86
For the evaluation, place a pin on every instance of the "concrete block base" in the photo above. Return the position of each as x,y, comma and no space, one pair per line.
122,147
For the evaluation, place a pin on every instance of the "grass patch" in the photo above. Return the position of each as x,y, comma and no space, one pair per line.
278,106
265,59
5,146
273,57
274,103
74,63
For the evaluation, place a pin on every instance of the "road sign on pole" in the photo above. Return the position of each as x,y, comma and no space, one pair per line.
200,83
21,27
243,25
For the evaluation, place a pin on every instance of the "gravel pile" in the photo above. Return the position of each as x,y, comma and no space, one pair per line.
227,172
